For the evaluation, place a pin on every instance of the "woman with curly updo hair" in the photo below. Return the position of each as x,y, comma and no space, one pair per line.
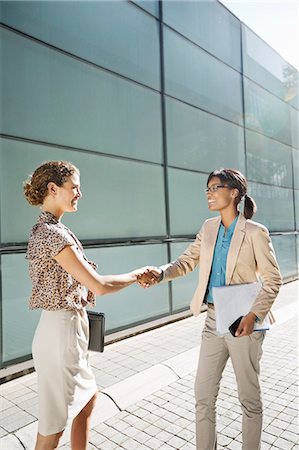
63,283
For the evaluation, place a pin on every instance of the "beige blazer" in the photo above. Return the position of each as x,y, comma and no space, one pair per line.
250,257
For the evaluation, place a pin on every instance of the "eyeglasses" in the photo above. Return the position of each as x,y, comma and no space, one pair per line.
216,188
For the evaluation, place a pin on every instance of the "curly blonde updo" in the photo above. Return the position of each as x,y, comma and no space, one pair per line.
58,172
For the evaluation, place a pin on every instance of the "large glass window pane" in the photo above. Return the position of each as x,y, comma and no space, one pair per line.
193,75
113,34
183,288
54,98
296,197
295,153
275,206
133,304
18,322
295,125
151,6
269,161
262,64
120,198
187,201
266,113
208,24
200,141
285,249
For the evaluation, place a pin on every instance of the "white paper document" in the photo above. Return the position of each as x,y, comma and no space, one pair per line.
234,301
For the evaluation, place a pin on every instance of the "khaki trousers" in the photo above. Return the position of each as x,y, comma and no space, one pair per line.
245,354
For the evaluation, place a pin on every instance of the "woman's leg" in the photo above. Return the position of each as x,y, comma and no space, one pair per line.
49,442
212,360
245,353
81,426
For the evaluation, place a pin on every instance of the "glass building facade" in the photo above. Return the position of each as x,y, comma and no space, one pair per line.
146,98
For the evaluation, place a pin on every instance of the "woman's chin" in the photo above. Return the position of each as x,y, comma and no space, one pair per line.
73,207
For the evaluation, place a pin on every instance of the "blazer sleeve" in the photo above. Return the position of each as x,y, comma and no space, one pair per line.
185,263
268,270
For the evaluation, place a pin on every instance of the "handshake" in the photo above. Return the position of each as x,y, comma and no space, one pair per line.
149,276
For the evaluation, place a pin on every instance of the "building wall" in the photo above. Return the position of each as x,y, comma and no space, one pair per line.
146,99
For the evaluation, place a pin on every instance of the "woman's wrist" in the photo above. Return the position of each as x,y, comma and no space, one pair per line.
252,315
132,277
161,276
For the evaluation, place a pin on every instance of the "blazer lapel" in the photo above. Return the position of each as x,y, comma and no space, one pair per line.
234,247
210,242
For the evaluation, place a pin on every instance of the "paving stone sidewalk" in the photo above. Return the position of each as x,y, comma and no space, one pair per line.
164,420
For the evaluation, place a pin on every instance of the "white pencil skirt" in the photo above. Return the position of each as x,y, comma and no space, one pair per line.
65,380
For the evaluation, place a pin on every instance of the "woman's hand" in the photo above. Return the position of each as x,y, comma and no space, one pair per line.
149,276
246,325
137,274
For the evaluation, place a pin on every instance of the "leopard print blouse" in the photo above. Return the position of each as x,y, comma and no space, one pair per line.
52,287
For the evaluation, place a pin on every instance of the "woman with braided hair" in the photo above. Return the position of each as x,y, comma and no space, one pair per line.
229,249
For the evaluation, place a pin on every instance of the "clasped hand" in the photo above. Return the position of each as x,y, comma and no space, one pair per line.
246,325
149,276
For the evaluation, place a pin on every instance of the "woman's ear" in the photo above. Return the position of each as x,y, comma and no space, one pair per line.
52,188
236,193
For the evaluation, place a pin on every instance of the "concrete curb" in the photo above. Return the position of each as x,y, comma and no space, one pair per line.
141,385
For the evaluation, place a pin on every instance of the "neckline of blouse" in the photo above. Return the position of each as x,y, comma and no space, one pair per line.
48,217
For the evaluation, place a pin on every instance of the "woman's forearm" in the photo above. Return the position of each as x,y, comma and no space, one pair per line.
112,283
74,263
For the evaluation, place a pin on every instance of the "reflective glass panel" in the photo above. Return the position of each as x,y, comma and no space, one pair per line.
183,288
296,197
275,206
151,6
18,322
262,64
295,153
266,113
133,304
113,34
285,249
201,141
114,192
50,97
198,78
269,161
208,24
187,201
295,126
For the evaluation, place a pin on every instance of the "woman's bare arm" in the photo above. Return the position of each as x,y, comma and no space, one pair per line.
74,263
